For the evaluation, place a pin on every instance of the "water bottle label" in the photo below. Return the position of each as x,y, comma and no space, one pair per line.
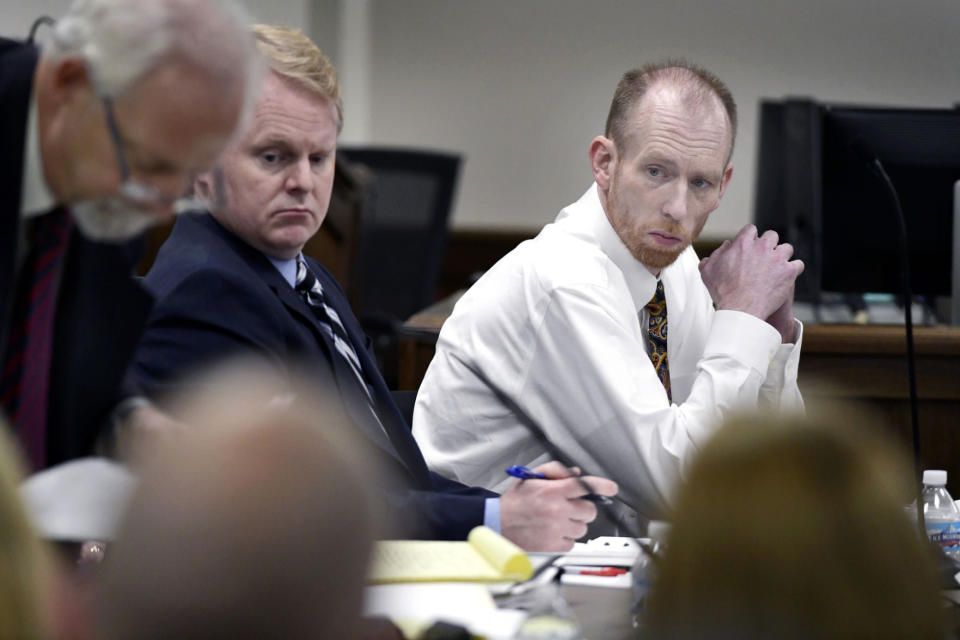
945,534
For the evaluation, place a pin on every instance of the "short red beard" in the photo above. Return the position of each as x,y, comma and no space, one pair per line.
636,240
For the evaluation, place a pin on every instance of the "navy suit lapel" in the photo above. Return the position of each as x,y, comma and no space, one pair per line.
393,422
356,407
399,444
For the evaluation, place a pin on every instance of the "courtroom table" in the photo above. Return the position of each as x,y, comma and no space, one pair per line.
865,364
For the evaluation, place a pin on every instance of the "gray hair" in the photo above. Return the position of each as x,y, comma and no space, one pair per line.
122,40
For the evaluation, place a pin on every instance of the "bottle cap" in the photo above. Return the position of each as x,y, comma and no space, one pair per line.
935,477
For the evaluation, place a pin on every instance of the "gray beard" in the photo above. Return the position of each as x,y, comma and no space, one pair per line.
110,219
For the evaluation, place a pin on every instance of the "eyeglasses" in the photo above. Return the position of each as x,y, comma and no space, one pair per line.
131,189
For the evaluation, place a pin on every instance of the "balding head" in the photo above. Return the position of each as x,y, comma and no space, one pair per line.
691,86
257,526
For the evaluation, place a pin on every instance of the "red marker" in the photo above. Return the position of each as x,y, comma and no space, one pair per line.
596,571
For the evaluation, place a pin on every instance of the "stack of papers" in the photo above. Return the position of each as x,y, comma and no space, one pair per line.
486,556
412,583
414,607
415,581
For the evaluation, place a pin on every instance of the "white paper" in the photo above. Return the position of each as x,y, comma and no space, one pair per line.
466,604
79,500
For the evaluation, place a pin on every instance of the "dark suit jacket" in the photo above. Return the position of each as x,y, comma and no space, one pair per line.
100,309
217,297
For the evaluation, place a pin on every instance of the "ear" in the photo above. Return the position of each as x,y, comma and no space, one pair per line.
203,186
603,156
68,77
727,174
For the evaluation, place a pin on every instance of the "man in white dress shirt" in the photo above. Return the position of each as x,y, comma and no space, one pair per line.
556,333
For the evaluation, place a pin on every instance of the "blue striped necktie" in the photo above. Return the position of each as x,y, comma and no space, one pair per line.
310,288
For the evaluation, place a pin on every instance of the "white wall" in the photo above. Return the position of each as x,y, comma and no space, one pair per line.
16,16
521,86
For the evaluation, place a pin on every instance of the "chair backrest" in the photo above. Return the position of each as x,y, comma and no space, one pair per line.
404,233
336,245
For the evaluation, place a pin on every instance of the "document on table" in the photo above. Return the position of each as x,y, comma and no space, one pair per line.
416,606
486,556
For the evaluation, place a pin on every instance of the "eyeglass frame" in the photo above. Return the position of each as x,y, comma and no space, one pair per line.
131,188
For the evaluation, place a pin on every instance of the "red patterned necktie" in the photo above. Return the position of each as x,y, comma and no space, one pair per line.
657,336
25,378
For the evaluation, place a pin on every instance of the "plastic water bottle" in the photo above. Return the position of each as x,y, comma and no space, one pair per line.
644,569
940,513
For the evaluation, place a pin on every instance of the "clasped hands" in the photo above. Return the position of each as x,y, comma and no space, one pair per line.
756,275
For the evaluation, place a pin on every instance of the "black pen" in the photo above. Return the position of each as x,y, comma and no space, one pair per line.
525,473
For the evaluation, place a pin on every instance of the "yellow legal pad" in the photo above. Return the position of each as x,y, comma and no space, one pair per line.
486,556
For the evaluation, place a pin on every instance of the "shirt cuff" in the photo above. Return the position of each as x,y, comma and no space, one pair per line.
491,514
743,337
787,357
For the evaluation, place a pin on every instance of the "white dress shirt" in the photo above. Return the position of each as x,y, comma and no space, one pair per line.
557,326
36,197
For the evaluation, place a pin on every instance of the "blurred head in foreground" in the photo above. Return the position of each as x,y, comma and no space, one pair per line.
23,564
795,528
256,524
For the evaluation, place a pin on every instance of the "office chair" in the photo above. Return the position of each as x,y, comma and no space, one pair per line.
407,204
337,244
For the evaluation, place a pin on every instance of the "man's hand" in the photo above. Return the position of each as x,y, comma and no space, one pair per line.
754,275
782,320
546,515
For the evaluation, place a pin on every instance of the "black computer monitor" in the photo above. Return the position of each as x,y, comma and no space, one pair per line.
815,188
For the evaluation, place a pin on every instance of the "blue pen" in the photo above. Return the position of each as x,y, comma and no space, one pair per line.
525,473
520,471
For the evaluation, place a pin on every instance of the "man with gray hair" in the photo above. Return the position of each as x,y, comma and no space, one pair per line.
102,131
570,330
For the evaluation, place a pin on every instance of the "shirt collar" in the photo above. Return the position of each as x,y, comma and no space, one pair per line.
640,282
287,268
36,198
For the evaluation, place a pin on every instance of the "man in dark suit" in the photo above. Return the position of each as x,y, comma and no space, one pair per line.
234,281
100,134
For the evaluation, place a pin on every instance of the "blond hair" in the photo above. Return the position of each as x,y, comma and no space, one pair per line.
293,55
795,528
22,557
192,560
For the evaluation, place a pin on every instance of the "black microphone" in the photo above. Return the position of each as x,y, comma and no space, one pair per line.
864,154
870,159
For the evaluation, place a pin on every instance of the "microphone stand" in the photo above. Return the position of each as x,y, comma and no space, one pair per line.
878,169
